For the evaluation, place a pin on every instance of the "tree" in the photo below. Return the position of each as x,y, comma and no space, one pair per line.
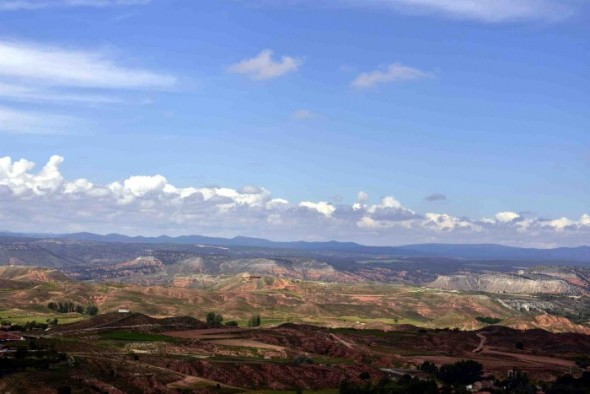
254,321
214,320
92,310
429,367
518,382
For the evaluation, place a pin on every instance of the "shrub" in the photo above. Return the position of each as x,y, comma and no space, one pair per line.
302,359
488,319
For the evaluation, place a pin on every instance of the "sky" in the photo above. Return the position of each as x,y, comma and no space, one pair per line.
384,122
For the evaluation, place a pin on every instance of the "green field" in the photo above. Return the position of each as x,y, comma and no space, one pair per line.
17,316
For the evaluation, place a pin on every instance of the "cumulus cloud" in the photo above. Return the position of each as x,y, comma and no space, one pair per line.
322,207
16,5
444,222
151,205
263,66
507,216
392,73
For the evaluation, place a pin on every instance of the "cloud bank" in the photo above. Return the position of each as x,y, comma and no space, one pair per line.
44,201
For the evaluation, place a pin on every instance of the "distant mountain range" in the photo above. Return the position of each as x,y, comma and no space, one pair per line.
458,251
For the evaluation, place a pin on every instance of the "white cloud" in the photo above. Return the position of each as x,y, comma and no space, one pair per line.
17,177
322,207
389,213
392,73
264,67
151,205
444,222
45,74
15,5
53,66
362,197
24,93
487,11
559,224
507,216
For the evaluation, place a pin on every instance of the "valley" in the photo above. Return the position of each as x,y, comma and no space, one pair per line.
324,316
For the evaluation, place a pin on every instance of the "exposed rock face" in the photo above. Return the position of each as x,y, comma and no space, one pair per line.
527,305
504,283
553,323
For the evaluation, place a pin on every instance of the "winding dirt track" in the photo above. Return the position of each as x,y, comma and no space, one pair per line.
524,358
482,342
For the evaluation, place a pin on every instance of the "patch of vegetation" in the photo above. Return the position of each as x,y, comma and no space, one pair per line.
567,384
518,382
214,320
582,361
488,319
69,306
31,356
302,359
28,326
404,385
254,321
460,373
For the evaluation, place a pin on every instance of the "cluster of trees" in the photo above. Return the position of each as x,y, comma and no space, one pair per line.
28,326
42,358
460,373
517,382
567,384
254,321
488,319
404,385
215,320
69,306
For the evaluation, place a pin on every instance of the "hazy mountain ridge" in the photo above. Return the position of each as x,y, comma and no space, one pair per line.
463,251
197,265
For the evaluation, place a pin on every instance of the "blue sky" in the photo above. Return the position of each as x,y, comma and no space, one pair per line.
322,104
